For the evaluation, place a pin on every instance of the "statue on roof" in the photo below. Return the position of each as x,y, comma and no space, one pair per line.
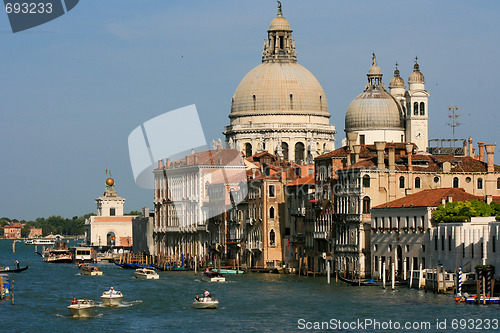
374,60
279,8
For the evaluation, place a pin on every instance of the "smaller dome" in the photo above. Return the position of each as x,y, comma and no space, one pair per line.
279,23
374,70
416,76
397,81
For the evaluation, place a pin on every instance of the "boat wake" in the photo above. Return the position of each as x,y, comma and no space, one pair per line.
121,305
77,317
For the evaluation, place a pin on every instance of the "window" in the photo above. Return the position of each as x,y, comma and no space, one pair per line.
375,247
401,182
422,109
254,102
455,182
248,150
449,243
112,212
272,238
436,179
480,183
361,139
415,109
272,191
284,148
366,181
468,179
271,213
493,244
498,183
442,243
407,248
366,205
423,248
299,152
417,182
435,243
423,262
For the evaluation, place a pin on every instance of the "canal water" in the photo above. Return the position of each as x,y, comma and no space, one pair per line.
248,302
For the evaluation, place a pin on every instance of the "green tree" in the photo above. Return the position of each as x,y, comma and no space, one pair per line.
462,211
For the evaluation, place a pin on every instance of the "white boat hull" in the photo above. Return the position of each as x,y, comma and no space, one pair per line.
148,274
111,300
206,304
81,310
213,279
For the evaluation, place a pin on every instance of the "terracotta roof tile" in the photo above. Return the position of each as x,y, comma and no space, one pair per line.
307,180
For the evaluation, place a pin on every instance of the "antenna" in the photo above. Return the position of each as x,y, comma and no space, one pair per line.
454,123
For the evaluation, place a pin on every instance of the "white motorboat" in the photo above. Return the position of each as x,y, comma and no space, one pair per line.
212,277
40,241
205,303
112,297
146,273
82,308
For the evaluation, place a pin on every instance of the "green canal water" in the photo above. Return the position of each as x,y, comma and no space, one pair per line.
248,302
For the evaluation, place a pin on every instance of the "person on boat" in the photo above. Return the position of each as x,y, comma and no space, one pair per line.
111,291
84,300
16,263
207,271
197,298
206,293
74,300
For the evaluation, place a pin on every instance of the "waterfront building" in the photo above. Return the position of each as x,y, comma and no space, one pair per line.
279,106
35,232
12,230
181,196
110,228
402,229
388,172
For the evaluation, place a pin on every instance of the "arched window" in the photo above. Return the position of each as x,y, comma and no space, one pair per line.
291,101
248,150
498,183
284,148
415,108
480,183
366,205
401,182
272,237
299,152
366,181
110,239
254,102
456,183
417,182
422,108
271,213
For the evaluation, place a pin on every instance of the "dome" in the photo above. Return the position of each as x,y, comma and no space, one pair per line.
279,23
373,109
397,81
277,87
374,70
416,76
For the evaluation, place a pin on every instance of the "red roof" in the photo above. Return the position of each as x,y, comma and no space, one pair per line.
307,180
430,198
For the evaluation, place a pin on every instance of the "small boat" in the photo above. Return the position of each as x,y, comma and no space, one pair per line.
227,271
59,254
473,299
112,297
4,286
370,282
212,277
146,273
81,308
12,270
89,270
205,303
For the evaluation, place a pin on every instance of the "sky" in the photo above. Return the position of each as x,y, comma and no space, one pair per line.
73,89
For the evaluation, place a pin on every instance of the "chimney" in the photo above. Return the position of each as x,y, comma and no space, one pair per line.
195,159
490,151
357,150
443,201
480,146
160,164
449,198
471,150
380,146
352,137
409,151
348,157
465,147
392,159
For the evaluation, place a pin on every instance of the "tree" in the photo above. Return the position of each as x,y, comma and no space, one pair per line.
461,211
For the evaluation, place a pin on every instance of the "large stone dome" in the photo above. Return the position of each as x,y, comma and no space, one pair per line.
373,109
279,87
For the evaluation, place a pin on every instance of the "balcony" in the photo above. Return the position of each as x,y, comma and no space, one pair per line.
321,235
301,211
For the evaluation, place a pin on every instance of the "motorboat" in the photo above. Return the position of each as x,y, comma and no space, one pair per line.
89,270
146,273
82,308
212,277
112,297
59,254
227,271
205,303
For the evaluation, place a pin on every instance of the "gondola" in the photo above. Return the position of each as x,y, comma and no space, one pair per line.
370,282
13,270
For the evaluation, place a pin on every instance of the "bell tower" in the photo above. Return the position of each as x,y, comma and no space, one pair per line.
417,109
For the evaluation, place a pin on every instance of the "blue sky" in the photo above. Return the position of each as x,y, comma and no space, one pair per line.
73,89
